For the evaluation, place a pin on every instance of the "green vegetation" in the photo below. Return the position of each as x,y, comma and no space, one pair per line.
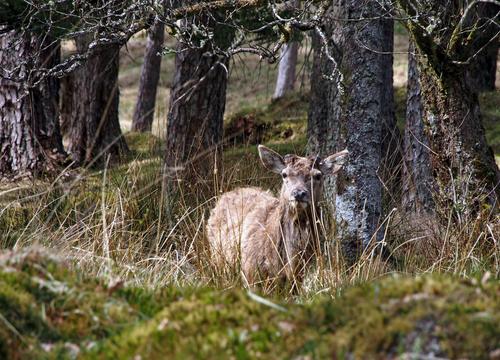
50,310
491,119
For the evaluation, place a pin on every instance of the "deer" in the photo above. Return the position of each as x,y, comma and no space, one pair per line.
271,238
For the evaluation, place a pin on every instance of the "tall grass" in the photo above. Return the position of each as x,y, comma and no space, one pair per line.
120,223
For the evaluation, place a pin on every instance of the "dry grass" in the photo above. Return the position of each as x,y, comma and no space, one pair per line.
117,223
120,223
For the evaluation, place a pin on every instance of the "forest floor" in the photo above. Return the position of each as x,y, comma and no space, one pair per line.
103,267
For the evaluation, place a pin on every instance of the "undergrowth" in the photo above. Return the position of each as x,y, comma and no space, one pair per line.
50,310
142,268
119,221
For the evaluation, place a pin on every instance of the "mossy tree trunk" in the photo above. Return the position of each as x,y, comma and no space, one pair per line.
462,163
483,69
150,74
95,132
359,119
30,140
463,167
418,183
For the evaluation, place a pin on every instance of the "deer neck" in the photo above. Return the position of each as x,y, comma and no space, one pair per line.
295,226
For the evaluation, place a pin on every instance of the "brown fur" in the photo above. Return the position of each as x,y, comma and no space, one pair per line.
271,238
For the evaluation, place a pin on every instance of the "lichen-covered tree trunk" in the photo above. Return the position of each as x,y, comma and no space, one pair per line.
462,163
150,74
286,70
196,111
357,120
95,132
30,140
418,183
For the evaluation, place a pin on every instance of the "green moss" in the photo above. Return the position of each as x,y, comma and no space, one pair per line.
49,309
283,120
211,324
441,313
143,144
444,315
491,118
43,301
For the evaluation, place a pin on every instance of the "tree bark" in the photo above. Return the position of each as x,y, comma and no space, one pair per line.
483,69
150,74
95,132
66,102
463,166
320,135
357,120
462,163
418,183
392,150
30,140
196,111
286,70
481,74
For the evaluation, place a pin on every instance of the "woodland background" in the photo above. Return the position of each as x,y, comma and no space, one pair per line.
111,157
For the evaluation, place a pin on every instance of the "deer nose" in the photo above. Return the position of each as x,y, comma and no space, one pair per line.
299,195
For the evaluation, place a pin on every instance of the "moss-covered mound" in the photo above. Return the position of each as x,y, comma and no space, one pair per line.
48,311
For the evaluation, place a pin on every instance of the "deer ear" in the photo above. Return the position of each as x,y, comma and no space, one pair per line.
333,163
271,159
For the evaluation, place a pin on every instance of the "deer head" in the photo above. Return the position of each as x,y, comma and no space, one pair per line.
302,176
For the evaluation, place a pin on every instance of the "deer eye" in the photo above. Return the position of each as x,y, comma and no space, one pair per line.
284,175
317,176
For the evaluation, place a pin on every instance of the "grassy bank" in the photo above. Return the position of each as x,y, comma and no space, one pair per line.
50,310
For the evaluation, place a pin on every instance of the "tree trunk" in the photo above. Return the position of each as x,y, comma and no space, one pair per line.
286,70
320,134
392,152
482,70
463,166
150,74
95,131
418,183
357,120
66,102
288,63
196,111
30,140
462,163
